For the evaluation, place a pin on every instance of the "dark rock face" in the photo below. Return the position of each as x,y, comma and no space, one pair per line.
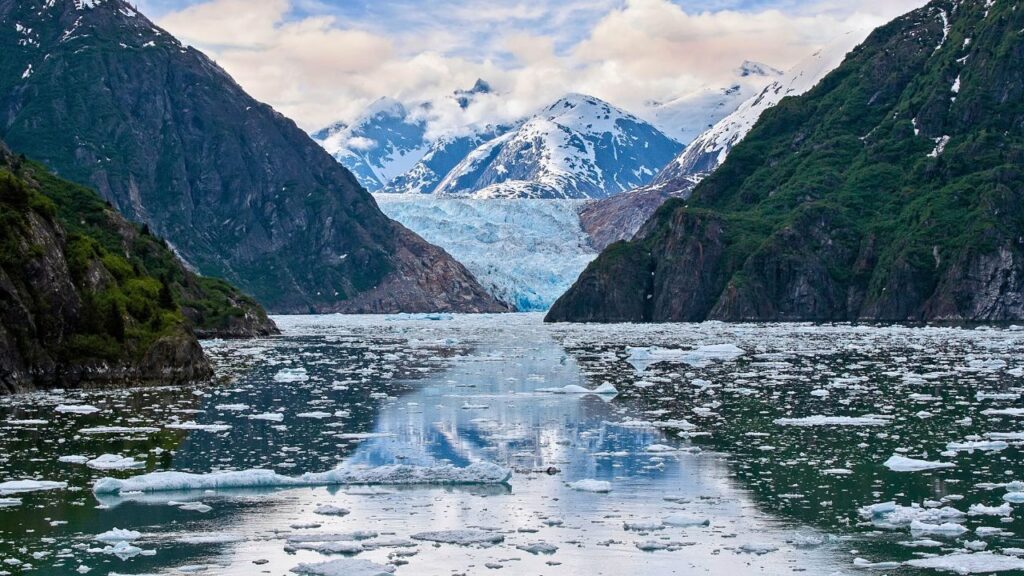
619,217
105,98
45,329
892,191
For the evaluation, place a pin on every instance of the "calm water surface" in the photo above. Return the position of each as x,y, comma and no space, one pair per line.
719,439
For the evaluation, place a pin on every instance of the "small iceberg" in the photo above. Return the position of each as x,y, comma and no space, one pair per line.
870,420
642,358
590,485
479,473
904,464
602,390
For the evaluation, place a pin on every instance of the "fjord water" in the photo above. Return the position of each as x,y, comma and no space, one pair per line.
713,459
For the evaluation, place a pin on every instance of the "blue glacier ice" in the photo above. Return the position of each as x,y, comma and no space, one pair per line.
524,252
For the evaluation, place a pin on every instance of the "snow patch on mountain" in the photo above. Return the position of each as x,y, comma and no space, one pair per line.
708,151
578,147
524,252
381,145
686,117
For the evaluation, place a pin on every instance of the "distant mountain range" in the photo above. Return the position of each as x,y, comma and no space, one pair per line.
577,147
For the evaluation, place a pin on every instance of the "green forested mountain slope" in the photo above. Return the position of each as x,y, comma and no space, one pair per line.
88,298
892,191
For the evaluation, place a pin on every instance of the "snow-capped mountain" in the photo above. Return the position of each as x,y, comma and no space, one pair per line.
524,252
686,117
444,154
710,149
384,143
578,147
467,97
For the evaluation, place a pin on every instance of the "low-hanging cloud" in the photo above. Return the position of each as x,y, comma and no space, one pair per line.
317,67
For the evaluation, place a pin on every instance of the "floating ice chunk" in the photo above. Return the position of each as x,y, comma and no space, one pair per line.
643,357
363,435
680,424
982,510
891,515
73,459
945,529
118,535
119,430
123,550
193,507
344,567
870,420
461,537
330,510
315,415
9,502
1003,412
869,565
984,445
965,563
643,526
538,548
479,473
1014,497
291,375
268,416
21,486
679,521
590,485
602,390
232,407
758,548
904,464
76,409
114,462
195,426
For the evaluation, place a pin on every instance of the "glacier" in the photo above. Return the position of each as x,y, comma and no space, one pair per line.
525,252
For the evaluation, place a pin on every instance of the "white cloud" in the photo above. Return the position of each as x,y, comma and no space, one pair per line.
319,68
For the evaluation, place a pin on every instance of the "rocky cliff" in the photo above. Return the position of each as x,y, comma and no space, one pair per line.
86,298
892,191
105,98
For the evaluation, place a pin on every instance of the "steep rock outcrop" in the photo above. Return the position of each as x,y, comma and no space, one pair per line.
105,98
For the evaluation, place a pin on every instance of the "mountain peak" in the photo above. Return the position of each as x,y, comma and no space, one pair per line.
465,97
385,106
750,68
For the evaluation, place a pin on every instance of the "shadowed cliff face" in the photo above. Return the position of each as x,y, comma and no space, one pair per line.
103,97
80,300
891,191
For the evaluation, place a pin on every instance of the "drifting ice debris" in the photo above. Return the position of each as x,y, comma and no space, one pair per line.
891,515
590,485
964,563
344,567
644,357
330,510
904,464
679,521
291,375
538,548
118,535
460,537
200,427
870,420
20,486
479,473
602,390
76,409
115,462
946,529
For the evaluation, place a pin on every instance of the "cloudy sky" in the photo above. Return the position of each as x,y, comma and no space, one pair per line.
318,61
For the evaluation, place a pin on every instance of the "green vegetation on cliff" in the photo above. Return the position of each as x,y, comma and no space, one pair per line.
89,297
891,191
